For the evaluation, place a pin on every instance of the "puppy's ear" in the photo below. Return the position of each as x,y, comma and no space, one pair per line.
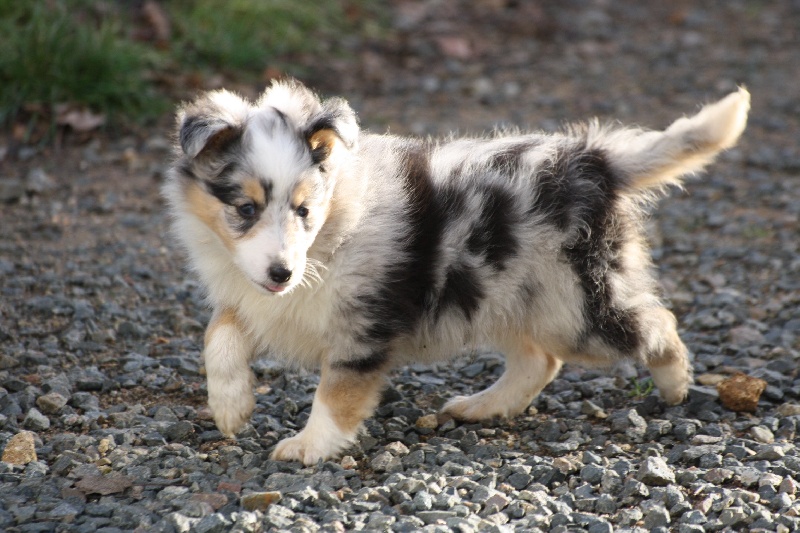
211,123
334,125
326,125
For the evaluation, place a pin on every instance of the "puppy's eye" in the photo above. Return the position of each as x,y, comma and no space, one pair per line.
302,211
247,210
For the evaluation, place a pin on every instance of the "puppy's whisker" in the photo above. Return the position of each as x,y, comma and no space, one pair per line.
311,274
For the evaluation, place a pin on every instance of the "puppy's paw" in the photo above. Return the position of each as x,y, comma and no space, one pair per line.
231,412
474,408
672,381
674,396
307,449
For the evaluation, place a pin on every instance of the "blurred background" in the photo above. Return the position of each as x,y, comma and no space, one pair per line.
425,66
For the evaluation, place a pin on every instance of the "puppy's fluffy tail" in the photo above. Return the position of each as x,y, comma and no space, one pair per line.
659,158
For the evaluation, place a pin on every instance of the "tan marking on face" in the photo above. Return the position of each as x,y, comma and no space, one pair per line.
255,191
301,192
224,316
350,396
209,211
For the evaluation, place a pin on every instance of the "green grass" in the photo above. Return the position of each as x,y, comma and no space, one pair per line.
248,35
84,52
641,388
59,53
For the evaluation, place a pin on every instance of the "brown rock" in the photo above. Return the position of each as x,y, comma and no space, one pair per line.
741,392
259,501
104,485
427,422
20,449
215,499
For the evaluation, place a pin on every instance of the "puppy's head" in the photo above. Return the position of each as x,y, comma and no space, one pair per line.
261,176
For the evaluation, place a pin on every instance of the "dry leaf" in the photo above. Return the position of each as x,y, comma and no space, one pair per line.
158,20
456,47
81,120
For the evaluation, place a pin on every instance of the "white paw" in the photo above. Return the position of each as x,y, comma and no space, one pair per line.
231,411
674,396
483,406
470,408
305,448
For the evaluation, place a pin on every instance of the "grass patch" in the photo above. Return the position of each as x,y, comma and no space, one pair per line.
91,53
248,35
67,53
641,388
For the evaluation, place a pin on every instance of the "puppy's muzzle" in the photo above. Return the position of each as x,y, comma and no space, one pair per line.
279,273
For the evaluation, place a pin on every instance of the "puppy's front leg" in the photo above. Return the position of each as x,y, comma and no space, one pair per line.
344,398
230,380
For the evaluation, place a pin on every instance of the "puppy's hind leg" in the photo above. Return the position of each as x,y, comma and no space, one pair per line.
528,370
668,358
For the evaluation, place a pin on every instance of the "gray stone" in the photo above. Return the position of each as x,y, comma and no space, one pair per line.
11,190
519,480
51,403
606,504
386,462
630,423
762,434
429,517
178,431
779,502
592,473
181,523
655,471
732,516
656,517
423,501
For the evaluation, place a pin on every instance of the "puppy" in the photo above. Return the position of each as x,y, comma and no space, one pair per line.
333,248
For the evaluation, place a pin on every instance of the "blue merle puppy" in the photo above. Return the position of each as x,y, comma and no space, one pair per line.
329,247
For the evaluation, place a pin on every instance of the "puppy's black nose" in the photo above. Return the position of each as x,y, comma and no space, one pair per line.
279,274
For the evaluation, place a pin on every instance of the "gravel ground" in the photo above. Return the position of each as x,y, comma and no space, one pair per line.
102,396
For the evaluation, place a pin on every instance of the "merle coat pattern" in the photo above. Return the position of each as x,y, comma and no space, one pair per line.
351,252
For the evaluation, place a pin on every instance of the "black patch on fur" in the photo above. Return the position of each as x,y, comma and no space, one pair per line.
407,290
267,186
194,127
320,154
226,171
225,191
371,363
493,235
282,116
457,170
509,159
555,192
191,128
243,225
322,151
595,253
528,292
462,289
185,168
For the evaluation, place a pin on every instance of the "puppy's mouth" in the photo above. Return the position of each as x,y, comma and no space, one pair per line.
276,289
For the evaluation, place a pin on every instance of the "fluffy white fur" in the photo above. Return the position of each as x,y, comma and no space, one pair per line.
417,251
